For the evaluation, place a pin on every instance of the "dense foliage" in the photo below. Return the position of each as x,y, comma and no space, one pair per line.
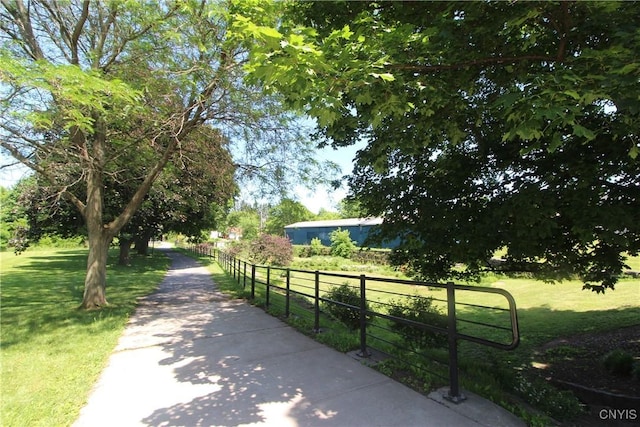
341,243
94,93
286,212
421,310
489,125
344,305
268,249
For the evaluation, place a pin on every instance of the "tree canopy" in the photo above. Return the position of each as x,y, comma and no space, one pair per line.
190,196
284,213
489,125
92,89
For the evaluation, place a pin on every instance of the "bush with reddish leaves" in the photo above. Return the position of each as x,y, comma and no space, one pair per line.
268,249
237,248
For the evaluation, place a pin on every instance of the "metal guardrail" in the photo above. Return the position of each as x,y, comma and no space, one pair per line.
312,285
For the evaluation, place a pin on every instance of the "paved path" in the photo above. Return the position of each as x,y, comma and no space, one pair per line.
192,357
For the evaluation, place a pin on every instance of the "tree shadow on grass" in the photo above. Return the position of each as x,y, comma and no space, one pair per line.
43,294
542,324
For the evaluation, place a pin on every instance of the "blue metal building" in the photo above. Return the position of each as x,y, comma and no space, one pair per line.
301,233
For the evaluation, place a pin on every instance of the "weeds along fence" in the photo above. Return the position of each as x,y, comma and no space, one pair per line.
416,324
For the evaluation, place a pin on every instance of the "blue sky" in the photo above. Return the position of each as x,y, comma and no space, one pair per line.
323,197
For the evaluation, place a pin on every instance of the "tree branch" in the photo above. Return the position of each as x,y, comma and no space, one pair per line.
77,31
425,69
136,200
21,17
63,190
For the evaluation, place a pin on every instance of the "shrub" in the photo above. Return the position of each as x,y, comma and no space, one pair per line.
301,251
419,309
20,239
378,257
341,243
344,294
559,404
618,362
237,248
316,247
53,241
271,250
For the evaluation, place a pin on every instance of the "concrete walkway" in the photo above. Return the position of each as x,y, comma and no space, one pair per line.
192,357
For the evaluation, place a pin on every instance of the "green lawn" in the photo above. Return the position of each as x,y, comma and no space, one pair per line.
633,263
52,353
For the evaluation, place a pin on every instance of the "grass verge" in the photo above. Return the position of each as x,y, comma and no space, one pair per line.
52,353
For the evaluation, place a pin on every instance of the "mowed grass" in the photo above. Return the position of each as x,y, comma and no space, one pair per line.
633,263
544,304
52,353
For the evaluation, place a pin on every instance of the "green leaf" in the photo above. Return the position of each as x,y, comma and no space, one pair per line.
556,141
583,132
364,98
387,77
572,93
628,69
269,32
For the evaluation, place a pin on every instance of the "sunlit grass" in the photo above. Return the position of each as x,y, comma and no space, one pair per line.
633,263
52,352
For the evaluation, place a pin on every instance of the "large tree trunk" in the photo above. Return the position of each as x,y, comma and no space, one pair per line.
142,243
100,236
125,249
95,283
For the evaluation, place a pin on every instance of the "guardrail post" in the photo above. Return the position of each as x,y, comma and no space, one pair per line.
316,322
363,317
454,388
268,283
244,276
288,292
253,281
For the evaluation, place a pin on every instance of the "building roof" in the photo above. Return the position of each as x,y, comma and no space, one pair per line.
334,223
